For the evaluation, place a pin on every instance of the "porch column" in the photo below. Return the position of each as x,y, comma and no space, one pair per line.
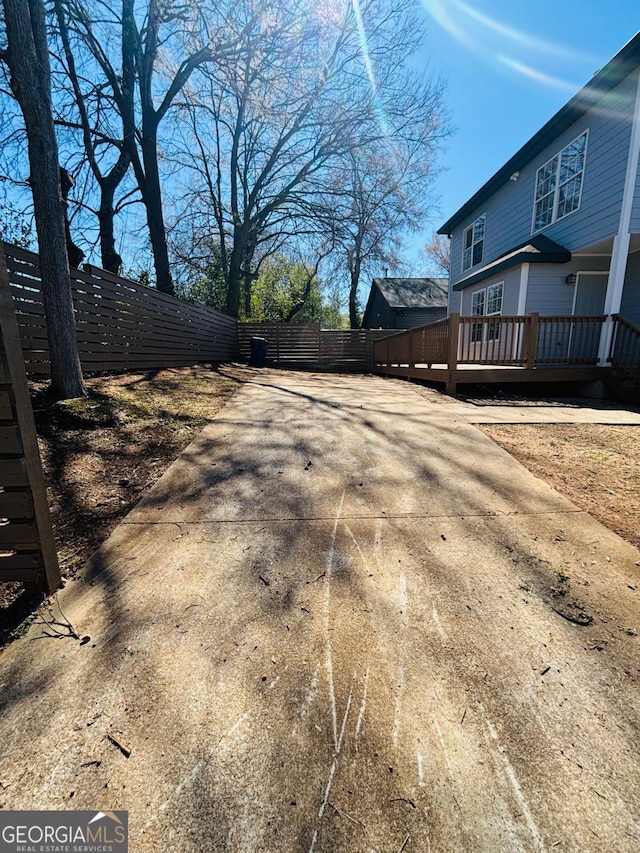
620,253
613,298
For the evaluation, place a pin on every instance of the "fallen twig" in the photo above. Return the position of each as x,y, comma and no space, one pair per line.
125,750
403,800
581,618
404,844
342,813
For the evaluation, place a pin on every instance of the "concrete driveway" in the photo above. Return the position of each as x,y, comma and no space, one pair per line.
344,620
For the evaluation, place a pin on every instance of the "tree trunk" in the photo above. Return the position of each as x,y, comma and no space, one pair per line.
354,321
111,260
155,216
234,280
239,260
28,60
248,282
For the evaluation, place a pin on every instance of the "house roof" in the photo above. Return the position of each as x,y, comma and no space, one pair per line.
537,250
602,82
413,292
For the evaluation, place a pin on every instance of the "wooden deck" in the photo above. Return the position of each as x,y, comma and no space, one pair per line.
501,349
490,374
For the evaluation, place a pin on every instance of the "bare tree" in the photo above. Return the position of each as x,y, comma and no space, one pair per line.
438,254
158,48
383,190
94,118
265,134
27,57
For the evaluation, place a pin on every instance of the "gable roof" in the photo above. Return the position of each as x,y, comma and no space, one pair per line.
413,292
537,250
602,82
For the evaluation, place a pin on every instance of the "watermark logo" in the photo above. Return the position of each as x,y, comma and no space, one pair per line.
64,832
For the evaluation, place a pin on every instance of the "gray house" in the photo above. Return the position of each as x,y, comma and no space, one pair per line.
405,303
557,229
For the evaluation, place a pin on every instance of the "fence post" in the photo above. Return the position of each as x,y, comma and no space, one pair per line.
35,542
530,348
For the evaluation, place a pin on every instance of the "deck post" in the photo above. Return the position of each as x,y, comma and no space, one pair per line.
452,352
530,347
411,359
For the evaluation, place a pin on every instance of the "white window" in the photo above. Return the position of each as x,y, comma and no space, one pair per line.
473,243
483,303
477,310
559,184
494,298
477,302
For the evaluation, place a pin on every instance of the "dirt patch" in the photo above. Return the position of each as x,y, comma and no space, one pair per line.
597,467
101,454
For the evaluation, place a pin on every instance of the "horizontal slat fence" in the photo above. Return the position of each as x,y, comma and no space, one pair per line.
290,344
349,349
305,345
120,324
27,548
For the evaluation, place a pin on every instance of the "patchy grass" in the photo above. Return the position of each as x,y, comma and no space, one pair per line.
597,467
100,454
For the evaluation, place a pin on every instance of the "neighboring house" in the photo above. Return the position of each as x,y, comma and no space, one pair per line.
405,303
557,229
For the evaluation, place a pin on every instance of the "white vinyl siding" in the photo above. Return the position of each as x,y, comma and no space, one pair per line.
559,184
473,242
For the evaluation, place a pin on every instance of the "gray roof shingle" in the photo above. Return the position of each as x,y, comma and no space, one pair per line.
413,292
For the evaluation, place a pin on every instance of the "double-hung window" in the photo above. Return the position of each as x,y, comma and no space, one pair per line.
477,310
473,243
485,302
494,306
559,184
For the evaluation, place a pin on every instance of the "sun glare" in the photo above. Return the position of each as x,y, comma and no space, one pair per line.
366,58
498,44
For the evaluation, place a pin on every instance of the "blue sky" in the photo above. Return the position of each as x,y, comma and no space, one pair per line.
509,67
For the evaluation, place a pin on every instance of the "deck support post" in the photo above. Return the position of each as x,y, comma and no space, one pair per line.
530,346
452,352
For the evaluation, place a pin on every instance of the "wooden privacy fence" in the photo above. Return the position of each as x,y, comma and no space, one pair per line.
305,345
27,548
120,324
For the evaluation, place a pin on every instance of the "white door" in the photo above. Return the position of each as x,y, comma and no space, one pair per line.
591,290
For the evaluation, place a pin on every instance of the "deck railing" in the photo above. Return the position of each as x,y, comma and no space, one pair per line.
520,341
568,340
625,348
424,345
493,340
